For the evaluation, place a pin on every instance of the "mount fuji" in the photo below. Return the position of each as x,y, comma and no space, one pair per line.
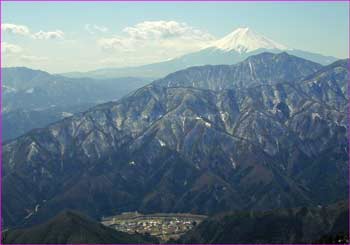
231,49
244,40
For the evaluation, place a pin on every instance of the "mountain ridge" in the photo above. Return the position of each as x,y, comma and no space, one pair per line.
34,98
173,149
269,65
207,56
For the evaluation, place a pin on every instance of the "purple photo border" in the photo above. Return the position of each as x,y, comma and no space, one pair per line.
0,124
153,1
348,116
329,1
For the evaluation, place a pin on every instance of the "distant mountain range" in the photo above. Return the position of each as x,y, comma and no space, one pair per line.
33,98
70,227
231,49
269,132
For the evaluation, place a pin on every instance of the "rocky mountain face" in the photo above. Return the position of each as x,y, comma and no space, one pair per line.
71,227
266,133
257,70
34,98
299,225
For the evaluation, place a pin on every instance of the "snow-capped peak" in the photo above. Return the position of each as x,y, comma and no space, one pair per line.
245,40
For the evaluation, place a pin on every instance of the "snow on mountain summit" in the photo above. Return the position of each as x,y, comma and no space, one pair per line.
245,40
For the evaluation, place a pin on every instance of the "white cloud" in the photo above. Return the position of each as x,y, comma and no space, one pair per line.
116,43
165,30
142,43
92,29
160,40
9,49
15,29
32,58
25,31
58,34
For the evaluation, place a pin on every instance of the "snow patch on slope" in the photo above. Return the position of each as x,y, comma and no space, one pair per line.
162,144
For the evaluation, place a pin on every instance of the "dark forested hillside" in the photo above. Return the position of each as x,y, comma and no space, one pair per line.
299,225
71,227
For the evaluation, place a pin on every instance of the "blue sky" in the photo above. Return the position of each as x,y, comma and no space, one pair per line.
71,36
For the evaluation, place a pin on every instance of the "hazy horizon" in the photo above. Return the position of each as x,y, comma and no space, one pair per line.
65,37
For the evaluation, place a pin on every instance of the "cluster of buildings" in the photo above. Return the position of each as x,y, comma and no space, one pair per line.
163,226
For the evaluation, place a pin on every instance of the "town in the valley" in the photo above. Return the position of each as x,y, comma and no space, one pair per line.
165,226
